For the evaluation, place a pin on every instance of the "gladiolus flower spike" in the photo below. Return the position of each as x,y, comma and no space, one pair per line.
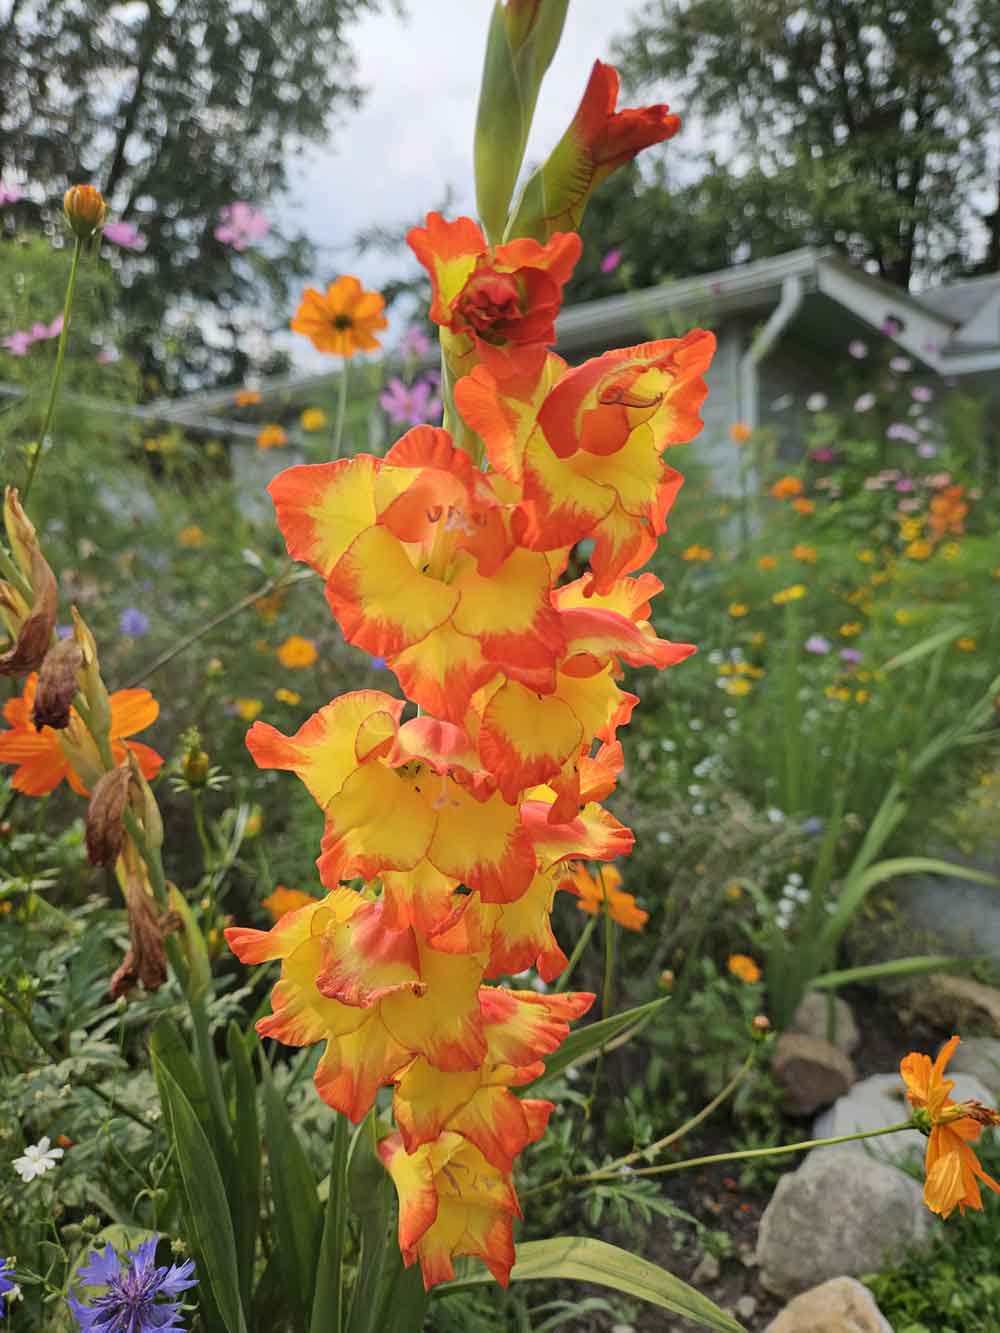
463,823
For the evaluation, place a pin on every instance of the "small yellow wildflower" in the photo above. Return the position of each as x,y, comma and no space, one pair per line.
248,708
312,419
738,609
191,537
867,556
758,637
919,549
861,696
910,529
744,968
903,617
879,577
738,686
966,644
839,692
297,652
792,594
851,628
767,562
697,553
284,696
734,892
805,554
951,551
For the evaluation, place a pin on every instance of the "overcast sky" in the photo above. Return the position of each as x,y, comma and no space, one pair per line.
412,139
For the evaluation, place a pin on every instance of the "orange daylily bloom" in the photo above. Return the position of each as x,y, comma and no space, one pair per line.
953,1170
596,892
342,320
43,762
497,306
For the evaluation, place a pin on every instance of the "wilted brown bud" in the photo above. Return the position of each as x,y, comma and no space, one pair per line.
20,530
85,210
105,829
32,625
57,684
145,963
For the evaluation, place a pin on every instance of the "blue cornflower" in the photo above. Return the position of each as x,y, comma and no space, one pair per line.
129,1304
5,1278
134,622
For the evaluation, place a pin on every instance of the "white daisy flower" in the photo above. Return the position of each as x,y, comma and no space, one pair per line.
38,1158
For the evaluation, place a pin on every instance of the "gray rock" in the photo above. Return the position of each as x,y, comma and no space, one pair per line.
708,1270
879,1101
812,1071
840,1213
980,1057
812,1019
958,1003
841,1305
746,1307
954,915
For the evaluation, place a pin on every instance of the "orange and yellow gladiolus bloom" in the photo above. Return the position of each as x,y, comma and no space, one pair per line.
953,1170
603,893
45,757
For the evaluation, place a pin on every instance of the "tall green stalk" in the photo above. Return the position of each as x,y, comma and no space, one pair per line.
57,370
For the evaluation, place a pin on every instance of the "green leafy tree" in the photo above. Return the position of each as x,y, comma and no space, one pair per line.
176,109
863,124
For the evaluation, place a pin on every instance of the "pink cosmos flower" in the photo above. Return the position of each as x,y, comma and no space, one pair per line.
10,194
125,235
857,349
864,403
611,261
821,455
415,343
240,225
900,365
817,644
920,393
412,406
17,343
851,655
892,325
938,479
905,484
927,450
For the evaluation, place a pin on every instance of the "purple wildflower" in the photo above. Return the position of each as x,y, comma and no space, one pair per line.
900,365
899,430
817,644
927,450
905,484
5,1275
611,261
813,826
125,235
823,455
864,403
411,406
240,224
130,1302
377,664
857,349
851,655
920,393
892,325
414,343
10,194
17,343
133,622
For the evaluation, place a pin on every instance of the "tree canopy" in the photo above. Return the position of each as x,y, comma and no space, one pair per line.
176,109
865,124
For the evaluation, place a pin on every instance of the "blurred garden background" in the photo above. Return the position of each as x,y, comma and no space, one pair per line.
815,793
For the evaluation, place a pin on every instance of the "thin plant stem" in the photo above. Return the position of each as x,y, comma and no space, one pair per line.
605,1173
284,579
338,430
57,370
577,953
607,987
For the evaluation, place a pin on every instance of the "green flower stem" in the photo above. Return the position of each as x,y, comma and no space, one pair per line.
607,987
606,1173
338,430
55,1055
57,371
577,953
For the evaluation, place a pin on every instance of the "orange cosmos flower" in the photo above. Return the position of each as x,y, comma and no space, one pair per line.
498,306
786,487
342,321
43,762
247,397
297,652
272,437
953,1170
596,892
282,901
740,432
947,512
743,967
803,506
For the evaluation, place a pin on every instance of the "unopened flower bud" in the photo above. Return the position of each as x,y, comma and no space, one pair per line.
91,685
57,684
760,1025
145,805
666,978
85,210
195,766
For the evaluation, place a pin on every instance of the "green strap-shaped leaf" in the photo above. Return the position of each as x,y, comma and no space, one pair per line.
913,966
297,1213
372,1197
206,1202
594,1035
581,1259
246,1136
328,1300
